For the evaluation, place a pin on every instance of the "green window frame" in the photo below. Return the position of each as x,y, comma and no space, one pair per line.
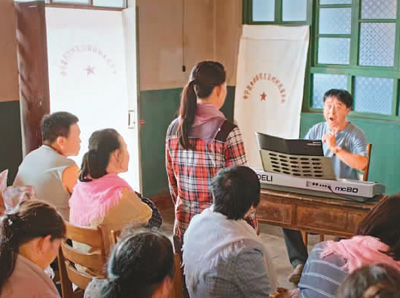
352,70
278,13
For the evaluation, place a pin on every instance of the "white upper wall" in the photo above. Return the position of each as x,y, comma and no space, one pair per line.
8,52
211,31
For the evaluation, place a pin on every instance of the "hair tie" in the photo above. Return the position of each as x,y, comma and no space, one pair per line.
10,224
11,219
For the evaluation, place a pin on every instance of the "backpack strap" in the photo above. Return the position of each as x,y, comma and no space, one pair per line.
224,131
173,128
222,134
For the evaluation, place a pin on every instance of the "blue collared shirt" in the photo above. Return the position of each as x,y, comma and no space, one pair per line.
351,139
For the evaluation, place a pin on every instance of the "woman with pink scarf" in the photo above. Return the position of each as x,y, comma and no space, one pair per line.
377,242
101,197
199,143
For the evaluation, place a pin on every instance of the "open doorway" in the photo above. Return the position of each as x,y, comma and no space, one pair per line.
92,74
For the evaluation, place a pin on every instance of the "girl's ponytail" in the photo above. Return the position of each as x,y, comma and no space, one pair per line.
187,112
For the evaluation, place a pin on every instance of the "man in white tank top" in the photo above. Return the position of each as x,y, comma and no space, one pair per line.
47,168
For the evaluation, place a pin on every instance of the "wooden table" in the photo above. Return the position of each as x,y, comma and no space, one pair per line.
312,214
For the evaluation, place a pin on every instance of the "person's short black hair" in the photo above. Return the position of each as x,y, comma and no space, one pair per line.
57,125
235,191
343,95
138,265
374,281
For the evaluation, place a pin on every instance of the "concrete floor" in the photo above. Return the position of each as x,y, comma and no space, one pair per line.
273,239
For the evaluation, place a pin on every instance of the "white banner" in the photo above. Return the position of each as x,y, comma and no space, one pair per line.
270,81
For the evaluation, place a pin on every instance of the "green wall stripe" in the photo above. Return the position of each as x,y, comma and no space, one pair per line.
157,109
10,136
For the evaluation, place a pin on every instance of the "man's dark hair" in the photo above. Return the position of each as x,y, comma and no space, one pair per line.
57,125
340,94
235,190
138,265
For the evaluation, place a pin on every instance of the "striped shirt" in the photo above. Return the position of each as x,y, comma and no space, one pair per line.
322,277
190,172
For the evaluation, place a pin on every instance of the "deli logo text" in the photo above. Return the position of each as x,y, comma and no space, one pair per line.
264,177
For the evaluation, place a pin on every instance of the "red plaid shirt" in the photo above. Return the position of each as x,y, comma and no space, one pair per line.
190,173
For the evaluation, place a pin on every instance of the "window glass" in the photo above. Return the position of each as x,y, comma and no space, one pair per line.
86,2
294,10
378,9
333,50
335,21
109,3
324,82
373,95
335,2
263,10
377,44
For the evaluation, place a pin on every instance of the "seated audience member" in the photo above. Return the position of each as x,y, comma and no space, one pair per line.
346,145
101,197
375,281
377,241
29,241
222,254
141,266
47,168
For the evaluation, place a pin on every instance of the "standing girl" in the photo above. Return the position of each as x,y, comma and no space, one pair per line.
199,143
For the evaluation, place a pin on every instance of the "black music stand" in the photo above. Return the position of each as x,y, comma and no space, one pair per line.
299,158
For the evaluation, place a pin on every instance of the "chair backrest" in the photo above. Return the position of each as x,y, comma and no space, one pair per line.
114,237
177,291
366,171
78,267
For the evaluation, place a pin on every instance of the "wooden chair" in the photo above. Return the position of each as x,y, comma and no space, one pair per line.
366,171
114,237
69,257
177,290
304,234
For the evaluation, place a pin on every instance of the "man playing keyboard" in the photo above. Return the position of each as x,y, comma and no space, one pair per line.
346,144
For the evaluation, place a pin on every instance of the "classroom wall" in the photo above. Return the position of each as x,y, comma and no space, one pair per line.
10,127
160,89
212,30
8,58
164,47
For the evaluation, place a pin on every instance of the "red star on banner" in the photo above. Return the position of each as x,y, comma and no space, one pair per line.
89,70
263,96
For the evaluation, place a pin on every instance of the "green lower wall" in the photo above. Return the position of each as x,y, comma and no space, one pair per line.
10,138
157,109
